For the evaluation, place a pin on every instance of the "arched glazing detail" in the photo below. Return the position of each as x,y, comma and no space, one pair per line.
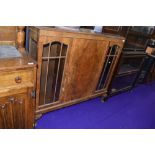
108,64
53,60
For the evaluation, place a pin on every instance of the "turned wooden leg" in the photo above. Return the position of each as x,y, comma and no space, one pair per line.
20,38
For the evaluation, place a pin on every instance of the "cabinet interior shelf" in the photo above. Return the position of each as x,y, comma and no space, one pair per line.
127,69
134,45
120,90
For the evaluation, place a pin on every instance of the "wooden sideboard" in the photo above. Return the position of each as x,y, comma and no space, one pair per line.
17,104
17,81
73,66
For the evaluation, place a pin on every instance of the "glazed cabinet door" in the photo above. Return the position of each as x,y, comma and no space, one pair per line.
83,68
108,68
16,112
53,53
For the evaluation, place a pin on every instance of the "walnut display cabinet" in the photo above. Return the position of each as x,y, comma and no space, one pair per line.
73,66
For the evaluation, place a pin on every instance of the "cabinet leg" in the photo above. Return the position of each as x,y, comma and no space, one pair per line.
35,124
38,116
104,98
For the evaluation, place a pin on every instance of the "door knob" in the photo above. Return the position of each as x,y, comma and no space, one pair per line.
18,79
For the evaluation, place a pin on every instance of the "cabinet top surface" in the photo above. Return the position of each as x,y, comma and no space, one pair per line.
77,31
7,51
22,62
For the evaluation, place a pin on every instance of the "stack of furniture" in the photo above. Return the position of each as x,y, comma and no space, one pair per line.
17,81
151,74
133,56
73,65
147,73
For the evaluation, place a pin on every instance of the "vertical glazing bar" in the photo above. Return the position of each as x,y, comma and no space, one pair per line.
46,74
104,68
117,47
55,89
114,57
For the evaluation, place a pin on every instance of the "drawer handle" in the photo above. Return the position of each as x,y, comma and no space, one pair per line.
18,79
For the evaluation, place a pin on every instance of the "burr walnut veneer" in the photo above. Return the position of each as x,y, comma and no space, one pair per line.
73,66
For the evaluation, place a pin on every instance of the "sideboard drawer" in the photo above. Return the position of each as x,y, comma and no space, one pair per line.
16,78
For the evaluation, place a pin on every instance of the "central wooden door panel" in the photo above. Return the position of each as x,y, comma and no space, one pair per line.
83,68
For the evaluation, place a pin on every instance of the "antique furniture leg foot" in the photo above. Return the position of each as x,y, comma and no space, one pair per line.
103,100
38,116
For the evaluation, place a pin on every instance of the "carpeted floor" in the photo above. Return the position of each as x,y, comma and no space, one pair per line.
129,110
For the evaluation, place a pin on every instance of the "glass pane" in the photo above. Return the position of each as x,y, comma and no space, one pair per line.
42,81
55,49
61,68
64,50
112,50
105,72
51,80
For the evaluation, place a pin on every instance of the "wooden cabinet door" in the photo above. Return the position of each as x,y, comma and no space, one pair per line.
83,68
6,120
109,66
16,112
